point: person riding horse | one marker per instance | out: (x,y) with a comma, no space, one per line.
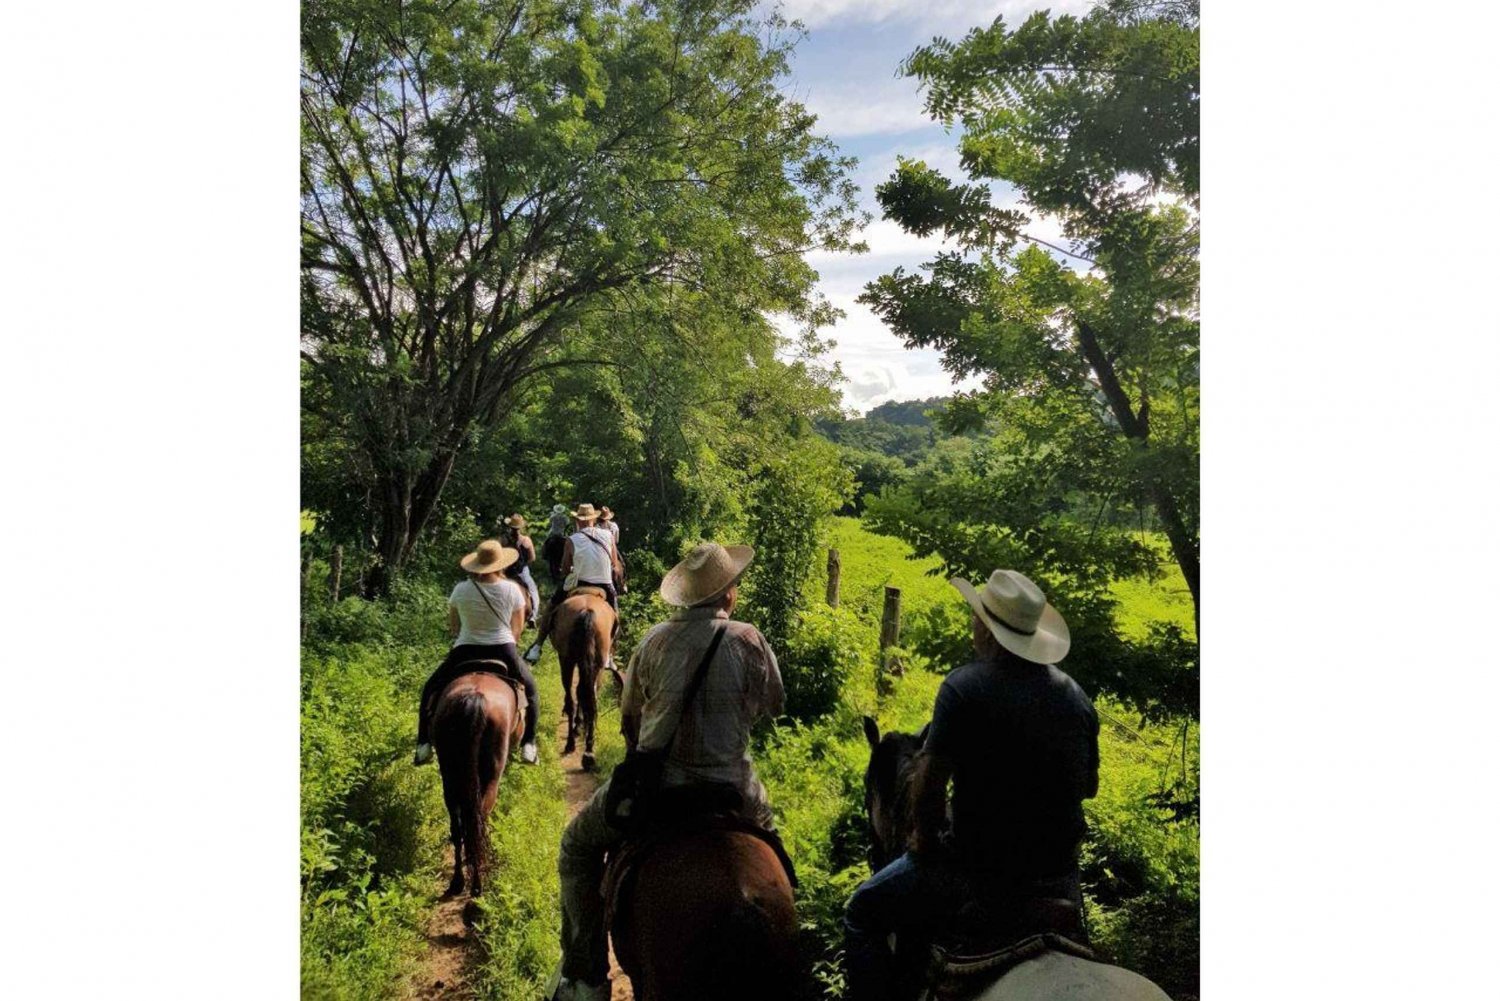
(589,559)
(1020,741)
(485,612)
(520,571)
(552,546)
(706,742)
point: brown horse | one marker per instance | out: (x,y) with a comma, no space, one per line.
(711,916)
(582,632)
(473,723)
(1045,971)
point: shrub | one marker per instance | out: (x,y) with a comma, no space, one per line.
(824,651)
(942,635)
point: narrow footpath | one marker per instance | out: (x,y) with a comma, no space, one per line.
(581,787)
(450,951)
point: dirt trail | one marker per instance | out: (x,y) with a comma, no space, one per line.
(581,786)
(450,952)
(451,946)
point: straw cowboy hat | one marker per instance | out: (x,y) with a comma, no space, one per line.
(605,514)
(515,521)
(586,512)
(1018,616)
(704,574)
(489,557)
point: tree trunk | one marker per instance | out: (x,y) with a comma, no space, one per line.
(336,575)
(833,578)
(1137,428)
(405,510)
(1184,546)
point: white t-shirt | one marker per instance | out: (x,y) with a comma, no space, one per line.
(613,528)
(479,624)
(591,559)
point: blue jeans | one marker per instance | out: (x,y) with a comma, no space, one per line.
(913,897)
(527,582)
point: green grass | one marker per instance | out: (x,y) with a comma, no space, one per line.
(870,562)
(1144,602)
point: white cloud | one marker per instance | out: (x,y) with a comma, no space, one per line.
(941,14)
(878,367)
(891,107)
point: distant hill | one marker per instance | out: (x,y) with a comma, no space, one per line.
(884,444)
(901,430)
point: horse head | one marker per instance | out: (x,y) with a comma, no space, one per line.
(888,790)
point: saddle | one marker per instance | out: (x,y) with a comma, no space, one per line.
(677,813)
(980,948)
(597,592)
(505,673)
(953,976)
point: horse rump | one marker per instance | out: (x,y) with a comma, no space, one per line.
(710,915)
(465,745)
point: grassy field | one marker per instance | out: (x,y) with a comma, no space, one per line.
(374,828)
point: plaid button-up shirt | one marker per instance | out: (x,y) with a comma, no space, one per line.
(712,742)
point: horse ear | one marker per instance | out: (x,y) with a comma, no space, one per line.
(872,731)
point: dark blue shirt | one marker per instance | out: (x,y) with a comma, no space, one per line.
(1023,740)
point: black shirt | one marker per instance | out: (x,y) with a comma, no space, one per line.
(1024,743)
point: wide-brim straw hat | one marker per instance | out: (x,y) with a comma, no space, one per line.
(1019,616)
(704,574)
(515,521)
(605,514)
(586,512)
(488,557)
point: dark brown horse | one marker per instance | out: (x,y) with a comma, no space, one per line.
(473,724)
(582,632)
(711,916)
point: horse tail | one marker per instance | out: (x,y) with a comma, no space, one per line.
(461,754)
(581,643)
(752,961)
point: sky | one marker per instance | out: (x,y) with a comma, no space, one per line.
(845,72)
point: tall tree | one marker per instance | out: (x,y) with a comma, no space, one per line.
(481,176)
(1094,122)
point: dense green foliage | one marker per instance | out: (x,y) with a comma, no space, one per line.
(880,447)
(484,183)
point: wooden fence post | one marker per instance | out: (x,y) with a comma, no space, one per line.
(833,578)
(337,576)
(890,628)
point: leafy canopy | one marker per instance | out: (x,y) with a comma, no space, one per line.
(1088,352)
(481,180)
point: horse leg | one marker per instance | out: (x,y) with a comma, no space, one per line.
(588,699)
(570,707)
(456,836)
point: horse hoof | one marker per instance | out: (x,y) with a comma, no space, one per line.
(454,889)
(588,763)
(471,913)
